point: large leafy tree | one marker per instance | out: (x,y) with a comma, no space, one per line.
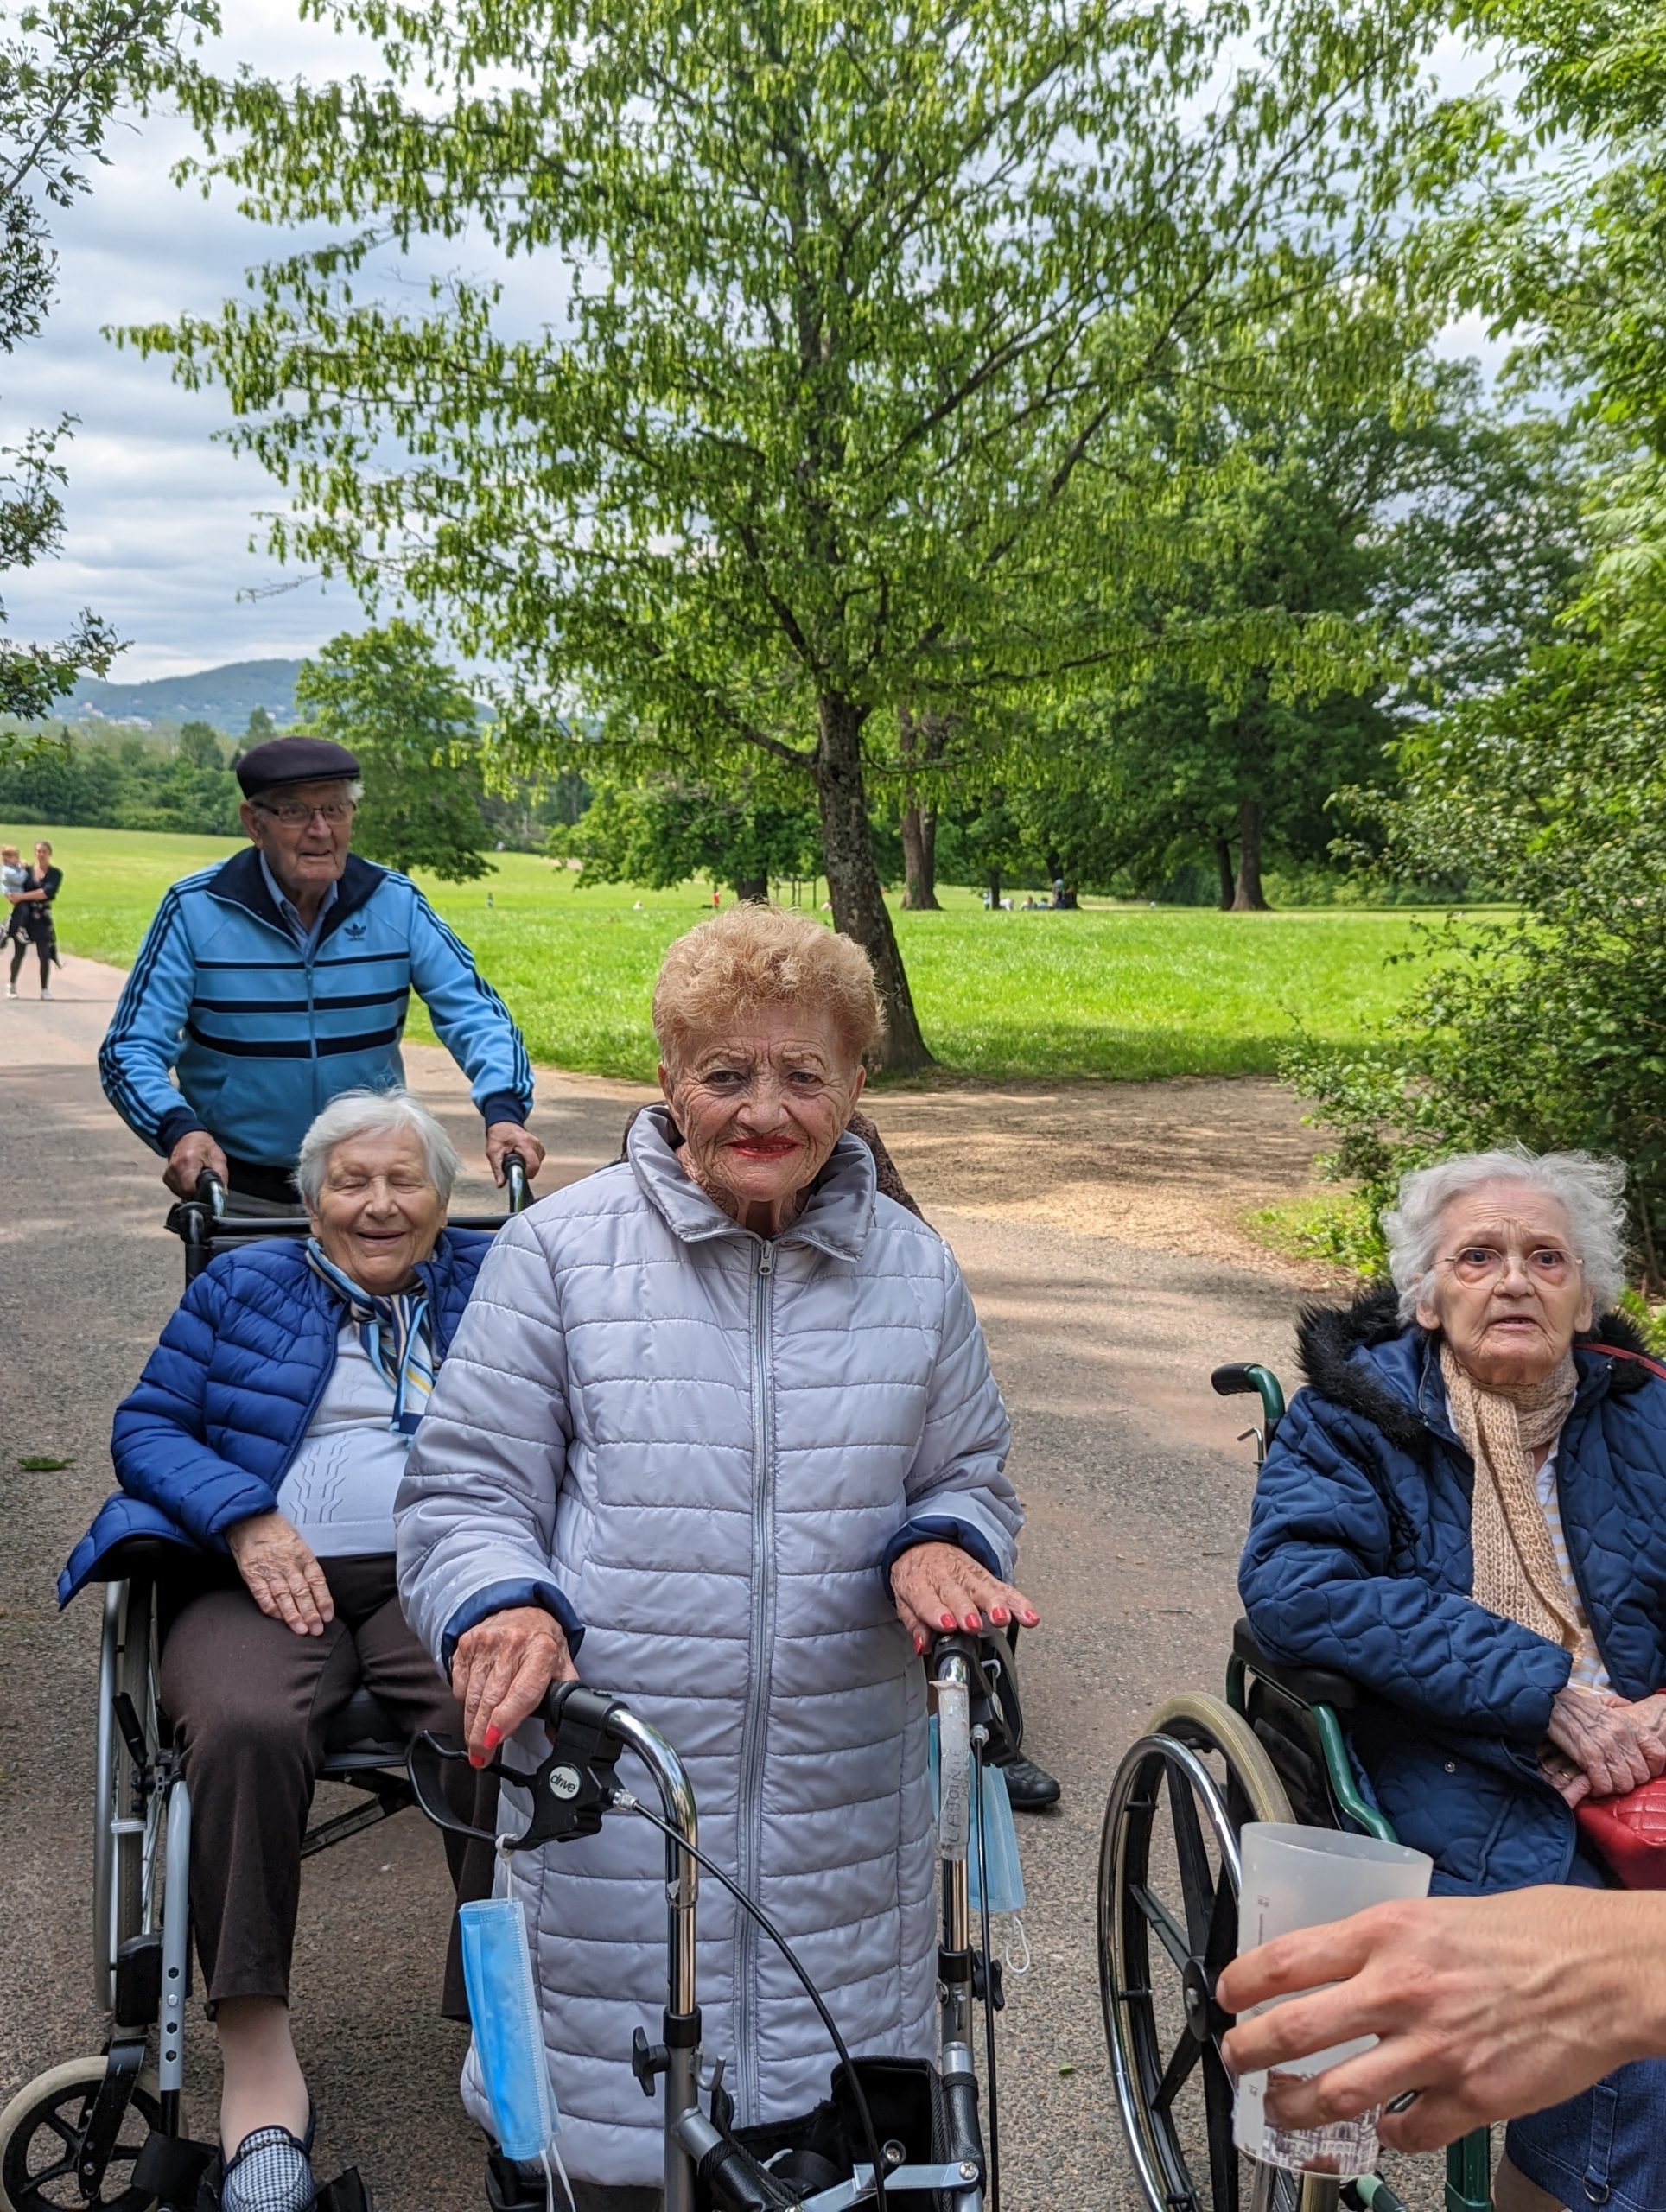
(64,68)
(416,732)
(1445,531)
(863,305)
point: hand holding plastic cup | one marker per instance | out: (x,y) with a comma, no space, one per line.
(1303,1878)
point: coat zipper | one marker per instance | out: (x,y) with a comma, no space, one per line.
(749,1809)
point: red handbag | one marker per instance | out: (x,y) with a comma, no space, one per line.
(1628,1834)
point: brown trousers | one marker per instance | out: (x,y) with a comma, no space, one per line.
(251,1701)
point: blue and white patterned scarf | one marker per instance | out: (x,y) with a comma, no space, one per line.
(394,1331)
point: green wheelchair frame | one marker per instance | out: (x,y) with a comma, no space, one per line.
(1469,2161)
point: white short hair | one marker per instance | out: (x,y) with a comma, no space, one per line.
(1590,1191)
(368,1113)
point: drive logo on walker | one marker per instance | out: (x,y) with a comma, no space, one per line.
(563,1782)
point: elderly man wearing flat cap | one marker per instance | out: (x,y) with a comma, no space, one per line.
(271,983)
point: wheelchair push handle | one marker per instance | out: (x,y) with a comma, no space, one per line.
(1241,1379)
(516,1186)
(211,1194)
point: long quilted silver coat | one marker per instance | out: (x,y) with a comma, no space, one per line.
(703,1446)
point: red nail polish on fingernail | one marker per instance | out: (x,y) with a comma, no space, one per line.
(494,1737)
(997,1614)
(974,1622)
(945,1620)
(475,1759)
(920,1641)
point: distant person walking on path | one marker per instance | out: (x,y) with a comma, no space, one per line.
(30,921)
(272,983)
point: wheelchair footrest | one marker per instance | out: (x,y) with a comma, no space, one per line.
(170,2167)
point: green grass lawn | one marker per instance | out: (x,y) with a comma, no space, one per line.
(1112,991)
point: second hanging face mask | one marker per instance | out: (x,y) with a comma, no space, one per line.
(502,2007)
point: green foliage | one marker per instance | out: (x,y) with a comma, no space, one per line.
(261,727)
(132,784)
(663,830)
(869,310)
(65,67)
(1549,1028)
(417,736)
(200,746)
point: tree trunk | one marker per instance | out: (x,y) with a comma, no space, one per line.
(1247,897)
(923,737)
(994,890)
(1224,863)
(919,859)
(852,880)
(752,889)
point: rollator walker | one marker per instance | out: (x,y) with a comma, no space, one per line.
(893,2131)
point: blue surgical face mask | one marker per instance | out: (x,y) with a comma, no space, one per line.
(992,1813)
(502,2007)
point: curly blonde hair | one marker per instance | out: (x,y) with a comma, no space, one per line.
(752,956)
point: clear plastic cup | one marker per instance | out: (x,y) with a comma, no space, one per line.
(1302,1877)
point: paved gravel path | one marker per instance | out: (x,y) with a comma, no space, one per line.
(1137,1497)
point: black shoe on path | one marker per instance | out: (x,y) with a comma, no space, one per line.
(1031,1789)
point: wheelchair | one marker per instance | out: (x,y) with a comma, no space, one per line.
(1272,1749)
(104,2133)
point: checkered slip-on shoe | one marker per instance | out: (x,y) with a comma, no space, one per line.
(271,2172)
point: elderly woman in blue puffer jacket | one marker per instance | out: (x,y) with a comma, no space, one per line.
(1465,1512)
(265,1440)
(719,1426)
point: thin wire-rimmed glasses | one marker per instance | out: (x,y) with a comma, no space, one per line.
(292,813)
(1547,1265)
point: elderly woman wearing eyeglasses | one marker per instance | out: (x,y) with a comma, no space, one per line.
(1465,1512)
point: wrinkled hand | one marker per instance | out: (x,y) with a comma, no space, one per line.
(504,1137)
(195,1150)
(1616,1746)
(939,1588)
(282,1572)
(501,1672)
(1567,1780)
(1487,2007)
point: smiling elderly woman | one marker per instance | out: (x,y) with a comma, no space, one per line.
(266,1437)
(725,1416)
(1465,1511)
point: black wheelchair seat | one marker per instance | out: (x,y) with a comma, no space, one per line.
(363,1734)
(1306,1685)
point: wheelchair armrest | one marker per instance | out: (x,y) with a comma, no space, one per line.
(1308,1685)
(153,1556)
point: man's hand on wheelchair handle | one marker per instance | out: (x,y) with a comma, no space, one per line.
(939,1588)
(1484,2007)
(195,1150)
(282,1573)
(1616,1744)
(502,1671)
(504,1137)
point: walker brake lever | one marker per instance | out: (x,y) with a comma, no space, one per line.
(570,1791)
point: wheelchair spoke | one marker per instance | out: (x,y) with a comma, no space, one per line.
(1197,1882)
(1177,2073)
(1168,1932)
(1218,2118)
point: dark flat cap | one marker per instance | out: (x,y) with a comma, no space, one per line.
(292,760)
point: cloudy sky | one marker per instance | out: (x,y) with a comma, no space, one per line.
(160,515)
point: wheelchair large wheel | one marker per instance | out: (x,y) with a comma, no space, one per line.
(1168,1915)
(127,1853)
(40,2132)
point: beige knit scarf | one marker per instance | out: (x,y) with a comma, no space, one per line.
(1516,1572)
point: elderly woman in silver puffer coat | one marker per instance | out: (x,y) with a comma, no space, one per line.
(718,1424)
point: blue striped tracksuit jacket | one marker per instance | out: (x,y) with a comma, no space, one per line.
(261,1034)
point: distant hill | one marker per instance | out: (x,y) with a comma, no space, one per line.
(225,696)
